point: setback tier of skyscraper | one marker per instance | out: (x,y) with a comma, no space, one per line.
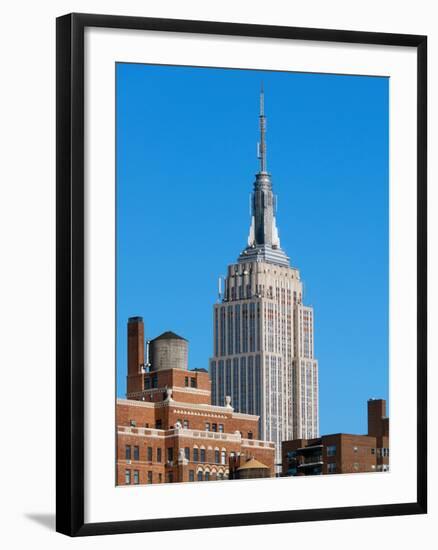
(263,333)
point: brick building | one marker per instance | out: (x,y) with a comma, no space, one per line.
(342,453)
(167,428)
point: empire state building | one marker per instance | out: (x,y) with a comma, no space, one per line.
(263,333)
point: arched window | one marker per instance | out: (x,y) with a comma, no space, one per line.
(217,456)
(200,475)
(223,457)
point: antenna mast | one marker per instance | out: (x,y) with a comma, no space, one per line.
(262,144)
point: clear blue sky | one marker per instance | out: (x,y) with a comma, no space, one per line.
(186,159)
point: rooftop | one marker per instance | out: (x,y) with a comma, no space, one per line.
(252,464)
(169,335)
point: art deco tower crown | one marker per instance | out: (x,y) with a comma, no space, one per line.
(263,240)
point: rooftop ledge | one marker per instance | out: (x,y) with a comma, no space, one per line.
(201,434)
(181,404)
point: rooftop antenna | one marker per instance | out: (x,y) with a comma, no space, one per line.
(262,121)
(147,362)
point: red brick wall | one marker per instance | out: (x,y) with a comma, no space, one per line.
(173,379)
(356,453)
(135,346)
(353,453)
(145,415)
(180,471)
(134,379)
(170,413)
(376,414)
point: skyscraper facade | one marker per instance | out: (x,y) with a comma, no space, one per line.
(263,346)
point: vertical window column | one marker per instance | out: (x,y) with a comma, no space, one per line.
(243,406)
(237,329)
(223,350)
(220,392)
(230,330)
(236,401)
(227,377)
(250,384)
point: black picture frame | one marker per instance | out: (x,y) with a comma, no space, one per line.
(70,273)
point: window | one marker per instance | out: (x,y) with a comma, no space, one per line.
(158,424)
(187,453)
(128,452)
(186,381)
(155,381)
(207,426)
(199,476)
(220,475)
(147,383)
(191,475)
(214,427)
(221,428)
(186,424)
(207,476)
(133,423)
(195,455)
(223,457)
(373,451)
(331,468)
(149,477)
(216,457)
(170,477)
(160,478)
(146,424)
(127,477)
(136,477)
(169,454)
(202,455)
(159,454)
(193,382)
(250,435)
(136,452)
(331,450)
(149,455)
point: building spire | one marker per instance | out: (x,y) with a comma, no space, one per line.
(263,239)
(262,143)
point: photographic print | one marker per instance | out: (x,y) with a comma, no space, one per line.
(241,274)
(252,260)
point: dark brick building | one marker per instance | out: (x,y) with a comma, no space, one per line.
(342,453)
(168,430)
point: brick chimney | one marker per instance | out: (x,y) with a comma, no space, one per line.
(377,422)
(135,345)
